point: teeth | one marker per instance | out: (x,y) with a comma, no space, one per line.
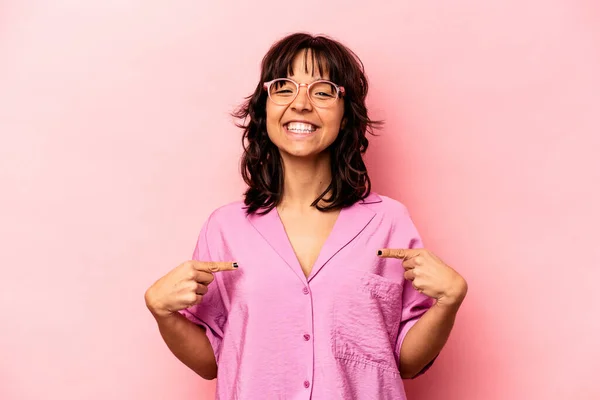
(301,127)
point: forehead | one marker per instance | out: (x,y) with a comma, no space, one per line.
(307,62)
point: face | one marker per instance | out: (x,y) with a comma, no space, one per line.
(300,129)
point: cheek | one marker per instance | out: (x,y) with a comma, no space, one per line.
(273,117)
(334,120)
(337,114)
(270,123)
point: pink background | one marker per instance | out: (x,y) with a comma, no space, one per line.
(116,144)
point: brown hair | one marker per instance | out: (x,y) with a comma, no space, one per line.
(261,164)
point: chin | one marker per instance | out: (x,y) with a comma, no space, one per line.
(301,148)
(304,153)
(305,149)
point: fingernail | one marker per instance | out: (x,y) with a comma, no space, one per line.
(379,252)
(235,265)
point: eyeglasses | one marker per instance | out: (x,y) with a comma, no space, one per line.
(321,93)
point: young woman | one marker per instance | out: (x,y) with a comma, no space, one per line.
(313,287)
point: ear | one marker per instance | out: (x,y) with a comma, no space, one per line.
(343,124)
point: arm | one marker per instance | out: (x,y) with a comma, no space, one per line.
(187,306)
(189,313)
(189,343)
(426,338)
(427,278)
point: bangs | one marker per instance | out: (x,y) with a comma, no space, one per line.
(320,59)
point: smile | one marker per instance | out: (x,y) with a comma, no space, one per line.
(300,127)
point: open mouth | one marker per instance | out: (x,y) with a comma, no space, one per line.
(300,128)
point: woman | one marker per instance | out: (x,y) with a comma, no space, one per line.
(313,287)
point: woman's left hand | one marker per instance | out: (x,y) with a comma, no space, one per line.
(430,275)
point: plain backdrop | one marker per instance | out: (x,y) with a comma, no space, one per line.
(116,144)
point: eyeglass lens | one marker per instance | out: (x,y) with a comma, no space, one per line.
(283,91)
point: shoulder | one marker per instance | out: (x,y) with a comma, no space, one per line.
(394,216)
(228,214)
(385,205)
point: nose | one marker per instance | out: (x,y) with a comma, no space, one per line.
(302,101)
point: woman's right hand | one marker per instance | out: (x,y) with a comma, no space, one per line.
(183,287)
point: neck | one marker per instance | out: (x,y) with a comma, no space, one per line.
(304,180)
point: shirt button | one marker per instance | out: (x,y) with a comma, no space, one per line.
(305,290)
(307,337)
(306,384)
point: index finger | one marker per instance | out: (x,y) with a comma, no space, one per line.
(397,253)
(215,266)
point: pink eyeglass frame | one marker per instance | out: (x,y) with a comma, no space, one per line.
(340,91)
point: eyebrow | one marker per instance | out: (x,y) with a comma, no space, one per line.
(319,78)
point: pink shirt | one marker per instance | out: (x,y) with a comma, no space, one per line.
(337,334)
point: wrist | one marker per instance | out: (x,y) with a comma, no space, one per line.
(160,314)
(447,306)
(454,297)
(154,307)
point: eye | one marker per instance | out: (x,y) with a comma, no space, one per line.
(283,90)
(323,90)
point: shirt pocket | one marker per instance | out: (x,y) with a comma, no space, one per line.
(366,320)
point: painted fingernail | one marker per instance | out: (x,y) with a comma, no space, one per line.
(379,252)
(235,265)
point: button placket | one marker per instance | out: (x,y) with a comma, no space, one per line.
(307,336)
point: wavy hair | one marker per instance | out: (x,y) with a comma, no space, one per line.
(261,164)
